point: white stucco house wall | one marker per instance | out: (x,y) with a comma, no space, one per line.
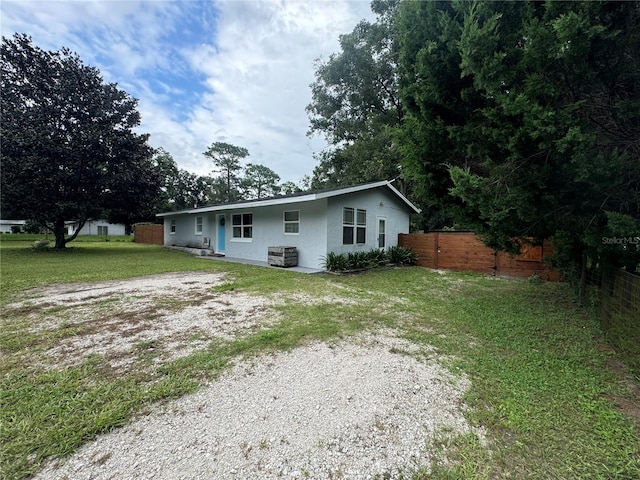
(7,225)
(97,227)
(342,220)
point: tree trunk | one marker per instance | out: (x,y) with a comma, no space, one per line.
(59,231)
(583,279)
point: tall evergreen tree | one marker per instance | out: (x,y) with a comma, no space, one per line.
(259,182)
(183,189)
(226,158)
(522,118)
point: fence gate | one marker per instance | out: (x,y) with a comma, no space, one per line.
(464,252)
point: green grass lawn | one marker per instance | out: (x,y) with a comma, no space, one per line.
(23,267)
(541,385)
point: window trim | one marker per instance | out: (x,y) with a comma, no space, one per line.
(361,226)
(201,225)
(172,227)
(286,222)
(348,225)
(378,234)
(242,227)
(355,226)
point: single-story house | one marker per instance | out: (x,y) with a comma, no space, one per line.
(341,220)
(97,227)
(9,226)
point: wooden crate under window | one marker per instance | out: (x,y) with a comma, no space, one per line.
(283,256)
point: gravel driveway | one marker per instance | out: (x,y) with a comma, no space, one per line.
(370,407)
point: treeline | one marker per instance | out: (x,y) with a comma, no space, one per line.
(70,150)
(518,120)
(229,180)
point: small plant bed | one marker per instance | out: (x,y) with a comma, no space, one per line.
(355,262)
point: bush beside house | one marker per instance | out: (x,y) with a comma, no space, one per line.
(360,261)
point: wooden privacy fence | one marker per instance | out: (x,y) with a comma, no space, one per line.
(149,234)
(464,252)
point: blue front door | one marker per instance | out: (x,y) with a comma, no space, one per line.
(221,239)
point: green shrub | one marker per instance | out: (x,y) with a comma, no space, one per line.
(335,262)
(534,279)
(358,260)
(341,262)
(31,226)
(377,257)
(401,256)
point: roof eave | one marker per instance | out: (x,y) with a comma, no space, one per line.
(294,199)
(403,198)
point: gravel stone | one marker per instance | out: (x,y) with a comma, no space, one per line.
(362,407)
(352,410)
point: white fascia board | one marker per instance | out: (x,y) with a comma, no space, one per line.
(168,214)
(254,203)
(294,199)
(370,186)
(358,188)
(403,198)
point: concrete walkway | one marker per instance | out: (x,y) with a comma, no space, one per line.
(263,264)
(198,253)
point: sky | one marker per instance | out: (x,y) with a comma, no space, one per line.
(232,71)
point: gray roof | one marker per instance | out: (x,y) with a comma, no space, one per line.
(297,198)
(12,222)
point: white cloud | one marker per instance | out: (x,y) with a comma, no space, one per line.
(259,77)
(233,71)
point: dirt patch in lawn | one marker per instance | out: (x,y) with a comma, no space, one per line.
(153,318)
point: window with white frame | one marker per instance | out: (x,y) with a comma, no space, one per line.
(361,226)
(199,221)
(382,232)
(172,226)
(354,226)
(348,222)
(291,222)
(103,230)
(242,225)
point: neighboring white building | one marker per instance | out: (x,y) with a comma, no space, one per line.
(6,225)
(97,227)
(342,220)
